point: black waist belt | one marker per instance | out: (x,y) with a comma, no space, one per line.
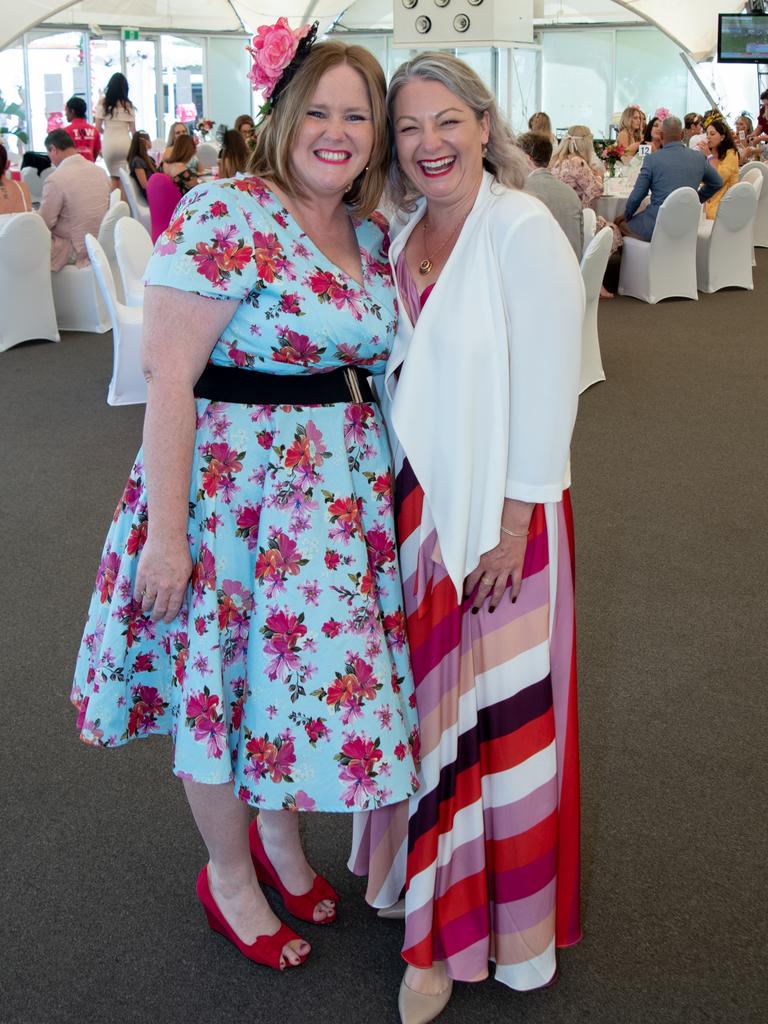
(249,387)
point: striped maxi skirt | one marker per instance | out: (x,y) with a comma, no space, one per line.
(487,851)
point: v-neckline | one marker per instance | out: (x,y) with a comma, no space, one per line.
(303,235)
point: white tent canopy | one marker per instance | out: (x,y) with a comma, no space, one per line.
(692,24)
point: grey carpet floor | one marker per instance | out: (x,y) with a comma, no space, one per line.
(98,853)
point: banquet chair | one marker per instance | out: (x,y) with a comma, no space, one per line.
(25,281)
(665,267)
(724,249)
(756,179)
(119,211)
(593,264)
(35,181)
(207,155)
(589,221)
(127,386)
(761,218)
(138,204)
(133,247)
(162,195)
(114,197)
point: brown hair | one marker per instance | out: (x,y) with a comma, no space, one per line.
(139,146)
(722,129)
(276,136)
(243,119)
(540,123)
(3,159)
(234,153)
(183,150)
(538,147)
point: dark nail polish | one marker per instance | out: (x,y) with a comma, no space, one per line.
(492,608)
(475,611)
(514,599)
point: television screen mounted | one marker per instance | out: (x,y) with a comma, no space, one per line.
(742,38)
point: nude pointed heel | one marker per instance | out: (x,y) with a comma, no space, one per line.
(394,913)
(418,1008)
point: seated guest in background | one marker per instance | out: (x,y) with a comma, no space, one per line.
(693,124)
(244,124)
(85,137)
(742,138)
(559,198)
(673,166)
(234,152)
(177,129)
(575,163)
(653,135)
(541,125)
(181,165)
(630,134)
(761,132)
(75,199)
(14,195)
(140,161)
(724,158)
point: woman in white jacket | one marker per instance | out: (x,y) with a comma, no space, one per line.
(481,395)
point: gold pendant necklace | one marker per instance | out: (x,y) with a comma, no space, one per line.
(426,265)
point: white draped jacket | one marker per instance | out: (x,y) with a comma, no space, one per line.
(485,400)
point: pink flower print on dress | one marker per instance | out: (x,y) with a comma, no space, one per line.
(203,574)
(248,518)
(219,209)
(327,288)
(346,515)
(222,463)
(171,237)
(296,349)
(106,576)
(267,250)
(381,549)
(357,418)
(147,706)
(137,538)
(274,758)
(359,757)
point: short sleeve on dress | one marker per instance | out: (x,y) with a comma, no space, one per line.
(208,247)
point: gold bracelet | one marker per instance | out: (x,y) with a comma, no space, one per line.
(511,533)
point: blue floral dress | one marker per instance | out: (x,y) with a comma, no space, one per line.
(287,672)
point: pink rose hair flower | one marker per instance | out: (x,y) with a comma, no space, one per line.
(274,49)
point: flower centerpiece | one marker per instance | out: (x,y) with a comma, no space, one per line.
(277,51)
(204,127)
(611,154)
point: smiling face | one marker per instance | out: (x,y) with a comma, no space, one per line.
(439,141)
(637,121)
(336,137)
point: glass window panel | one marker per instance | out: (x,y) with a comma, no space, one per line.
(12,92)
(576,79)
(229,91)
(56,72)
(525,76)
(183,94)
(140,56)
(104,56)
(649,71)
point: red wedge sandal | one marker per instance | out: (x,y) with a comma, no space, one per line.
(302,906)
(266,950)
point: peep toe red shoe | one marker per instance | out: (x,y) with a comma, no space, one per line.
(302,906)
(266,950)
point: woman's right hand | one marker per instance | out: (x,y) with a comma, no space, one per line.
(162,578)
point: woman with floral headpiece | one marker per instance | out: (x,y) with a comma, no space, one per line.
(248,601)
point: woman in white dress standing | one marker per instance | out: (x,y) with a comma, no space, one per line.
(115,118)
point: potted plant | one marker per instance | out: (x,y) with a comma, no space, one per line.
(14,111)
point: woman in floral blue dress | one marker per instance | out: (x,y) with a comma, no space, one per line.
(248,601)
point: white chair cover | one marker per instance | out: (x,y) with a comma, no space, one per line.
(127,386)
(665,266)
(207,155)
(589,220)
(761,218)
(593,264)
(114,197)
(35,181)
(133,247)
(724,253)
(756,179)
(106,239)
(25,281)
(136,201)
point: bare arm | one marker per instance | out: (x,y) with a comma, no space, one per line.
(180,330)
(141,177)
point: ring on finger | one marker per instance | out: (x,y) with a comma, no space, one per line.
(488,581)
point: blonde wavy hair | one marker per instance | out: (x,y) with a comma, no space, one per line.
(577,141)
(502,158)
(625,124)
(276,136)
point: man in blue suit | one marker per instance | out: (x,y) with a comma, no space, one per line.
(673,166)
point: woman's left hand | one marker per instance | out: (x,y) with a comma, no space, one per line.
(494,571)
